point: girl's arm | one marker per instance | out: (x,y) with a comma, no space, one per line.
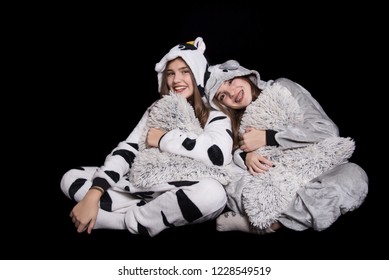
(119,161)
(316,125)
(116,165)
(212,146)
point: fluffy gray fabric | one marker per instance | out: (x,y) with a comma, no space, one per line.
(152,166)
(266,195)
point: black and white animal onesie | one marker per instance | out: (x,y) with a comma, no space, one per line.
(168,203)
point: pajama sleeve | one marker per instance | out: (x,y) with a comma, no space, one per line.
(119,161)
(213,146)
(316,125)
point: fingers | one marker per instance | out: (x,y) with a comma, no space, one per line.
(255,170)
(73,218)
(258,168)
(81,227)
(266,162)
(90,227)
(260,165)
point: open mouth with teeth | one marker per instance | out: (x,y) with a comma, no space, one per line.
(179,89)
(239,97)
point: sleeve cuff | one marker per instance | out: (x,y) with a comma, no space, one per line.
(159,142)
(101,182)
(271,138)
(243,156)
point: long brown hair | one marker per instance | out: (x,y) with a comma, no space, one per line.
(200,109)
(237,114)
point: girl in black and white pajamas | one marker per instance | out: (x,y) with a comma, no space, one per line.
(107,198)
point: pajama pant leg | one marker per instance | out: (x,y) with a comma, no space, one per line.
(180,203)
(113,204)
(234,192)
(149,211)
(319,204)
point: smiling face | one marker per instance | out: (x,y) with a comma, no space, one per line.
(179,78)
(235,93)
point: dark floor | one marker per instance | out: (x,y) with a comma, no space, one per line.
(45,231)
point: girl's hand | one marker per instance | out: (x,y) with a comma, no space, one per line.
(252,139)
(153,137)
(257,164)
(84,214)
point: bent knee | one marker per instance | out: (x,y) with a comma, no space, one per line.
(66,181)
(212,195)
(356,171)
(355,177)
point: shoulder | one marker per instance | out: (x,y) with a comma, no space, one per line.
(215,115)
(289,84)
(284,81)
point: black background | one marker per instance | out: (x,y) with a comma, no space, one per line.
(85,76)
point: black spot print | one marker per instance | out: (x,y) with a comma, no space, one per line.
(142,230)
(189,144)
(165,221)
(75,186)
(101,182)
(187,47)
(113,175)
(215,154)
(218,119)
(182,183)
(229,132)
(106,202)
(189,210)
(140,203)
(134,145)
(127,155)
(144,194)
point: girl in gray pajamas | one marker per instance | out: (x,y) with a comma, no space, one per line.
(231,88)
(107,198)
